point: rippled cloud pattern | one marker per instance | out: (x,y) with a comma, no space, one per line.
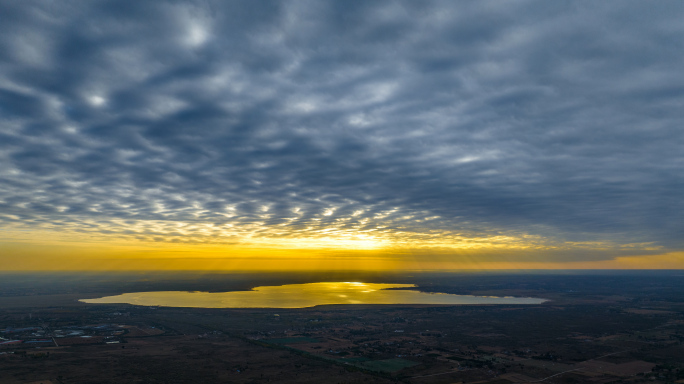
(532,125)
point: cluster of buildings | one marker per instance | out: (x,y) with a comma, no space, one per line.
(44,336)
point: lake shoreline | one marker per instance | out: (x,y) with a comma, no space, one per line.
(309,295)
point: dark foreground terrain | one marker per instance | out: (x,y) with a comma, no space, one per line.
(600,328)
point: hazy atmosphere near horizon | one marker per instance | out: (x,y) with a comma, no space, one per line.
(340,135)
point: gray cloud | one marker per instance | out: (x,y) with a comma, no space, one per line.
(423,119)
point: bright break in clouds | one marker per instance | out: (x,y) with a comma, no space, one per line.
(431,126)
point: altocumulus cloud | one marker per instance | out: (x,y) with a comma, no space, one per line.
(544,124)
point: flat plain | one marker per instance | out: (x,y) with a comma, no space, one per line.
(596,328)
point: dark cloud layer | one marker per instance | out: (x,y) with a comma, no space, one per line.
(561,120)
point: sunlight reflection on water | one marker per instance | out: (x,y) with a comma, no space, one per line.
(304,295)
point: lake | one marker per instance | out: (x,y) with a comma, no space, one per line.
(305,295)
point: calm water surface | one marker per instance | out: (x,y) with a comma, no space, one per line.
(305,295)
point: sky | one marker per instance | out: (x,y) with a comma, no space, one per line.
(275,135)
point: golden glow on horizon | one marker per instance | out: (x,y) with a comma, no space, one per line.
(335,235)
(99,258)
(322,239)
(69,250)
